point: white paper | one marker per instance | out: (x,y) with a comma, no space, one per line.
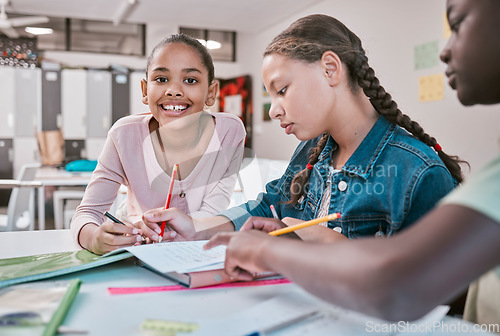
(331,319)
(178,257)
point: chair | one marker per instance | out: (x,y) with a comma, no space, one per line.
(21,208)
(66,202)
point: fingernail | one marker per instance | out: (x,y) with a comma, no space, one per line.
(173,234)
(155,237)
(139,238)
(158,230)
(135,231)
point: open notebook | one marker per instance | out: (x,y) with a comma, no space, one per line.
(185,262)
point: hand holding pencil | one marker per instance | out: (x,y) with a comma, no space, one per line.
(169,197)
(305,224)
(242,259)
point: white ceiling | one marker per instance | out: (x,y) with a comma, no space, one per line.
(239,15)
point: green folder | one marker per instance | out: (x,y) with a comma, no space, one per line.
(43,266)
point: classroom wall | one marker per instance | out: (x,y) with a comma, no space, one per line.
(389,29)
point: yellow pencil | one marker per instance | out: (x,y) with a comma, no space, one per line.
(305,224)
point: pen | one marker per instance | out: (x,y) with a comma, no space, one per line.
(169,196)
(273,210)
(113,218)
(305,224)
(284,324)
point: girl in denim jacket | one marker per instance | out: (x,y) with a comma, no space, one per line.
(360,155)
(405,276)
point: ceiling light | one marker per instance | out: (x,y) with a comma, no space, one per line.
(38,30)
(211,44)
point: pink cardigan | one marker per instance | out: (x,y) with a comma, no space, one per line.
(128,158)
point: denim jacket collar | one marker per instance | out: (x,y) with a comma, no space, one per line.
(364,158)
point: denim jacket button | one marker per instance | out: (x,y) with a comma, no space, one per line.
(342,185)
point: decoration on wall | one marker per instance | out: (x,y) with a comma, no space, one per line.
(265,110)
(235,97)
(426,55)
(431,88)
(19,52)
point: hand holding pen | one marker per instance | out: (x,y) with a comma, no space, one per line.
(135,231)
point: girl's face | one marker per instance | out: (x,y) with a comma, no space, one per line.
(300,95)
(472,53)
(177,83)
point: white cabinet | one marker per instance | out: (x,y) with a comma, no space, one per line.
(7,99)
(25,151)
(74,103)
(98,103)
(27,102)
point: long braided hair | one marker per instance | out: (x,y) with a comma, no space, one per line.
(306,40)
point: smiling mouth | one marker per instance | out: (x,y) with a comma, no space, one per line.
(174,108)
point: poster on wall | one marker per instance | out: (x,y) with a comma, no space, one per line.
(236,97)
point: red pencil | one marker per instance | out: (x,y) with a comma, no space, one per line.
(169,196)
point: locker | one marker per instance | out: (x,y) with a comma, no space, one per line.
(120,96)
(7,97)
(98,103)
(27,102)
(74,103)
(51,99)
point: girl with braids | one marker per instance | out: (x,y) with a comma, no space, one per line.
(360,155)
(405,276)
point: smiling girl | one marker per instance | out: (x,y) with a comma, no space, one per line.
(141,150)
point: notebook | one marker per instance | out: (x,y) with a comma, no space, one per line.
(184,262)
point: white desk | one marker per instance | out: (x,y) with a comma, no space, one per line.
(49,176)
(103,314)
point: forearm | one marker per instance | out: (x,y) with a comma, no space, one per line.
(399,278)
(207,227)
(351,282)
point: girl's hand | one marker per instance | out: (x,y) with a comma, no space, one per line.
(179,226)
(244,254)
(262,224)
(269,224)
(316,233)
(109,236)
(151,231)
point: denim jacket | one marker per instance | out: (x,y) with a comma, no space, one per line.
(389,182)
